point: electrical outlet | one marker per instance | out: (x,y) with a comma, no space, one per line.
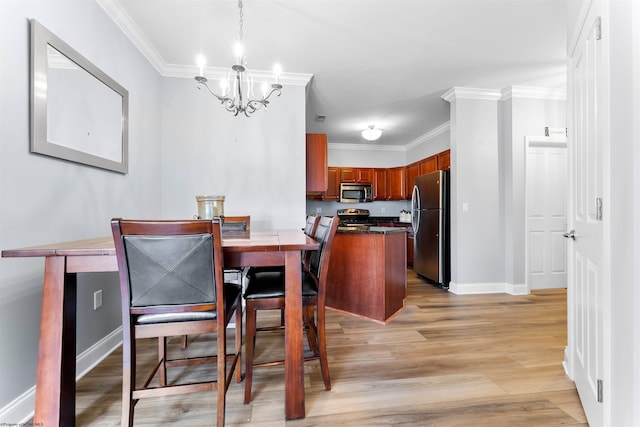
(97,299)
(383,210)
(318,210)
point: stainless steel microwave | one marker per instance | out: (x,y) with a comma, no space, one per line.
(355,193)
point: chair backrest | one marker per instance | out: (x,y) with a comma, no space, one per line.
(166,264)
(309,230)
(236,226)
(319,262)
(311,224)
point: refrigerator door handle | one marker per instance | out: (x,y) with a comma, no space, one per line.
(415,208)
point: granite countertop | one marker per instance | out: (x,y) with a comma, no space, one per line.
(373,230)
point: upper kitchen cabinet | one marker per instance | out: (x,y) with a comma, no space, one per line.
(380,184)
(317,177)
(333,184)
(359,175)
(444,160)
(428,165)
(396,181)
(413,170)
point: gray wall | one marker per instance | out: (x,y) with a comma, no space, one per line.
(476,234)
(48,200)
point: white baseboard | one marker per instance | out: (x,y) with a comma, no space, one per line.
(20,410)
(488,288)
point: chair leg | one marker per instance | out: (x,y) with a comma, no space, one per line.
(162,358)
(249,348)
(238,365)
(184,342)
(322,343)
(310,328)
(222,376)
(128,380)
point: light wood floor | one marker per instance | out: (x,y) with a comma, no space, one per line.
(446,360)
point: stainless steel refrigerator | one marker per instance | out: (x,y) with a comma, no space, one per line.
(430,220)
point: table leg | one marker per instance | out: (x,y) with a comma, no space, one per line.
(294,355)
(56,373)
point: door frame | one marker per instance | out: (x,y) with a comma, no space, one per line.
(537,141)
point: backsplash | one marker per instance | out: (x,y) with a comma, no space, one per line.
(391,208)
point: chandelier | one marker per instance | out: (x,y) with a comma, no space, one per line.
(236,90)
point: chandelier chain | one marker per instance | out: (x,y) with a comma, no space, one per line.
(241,23)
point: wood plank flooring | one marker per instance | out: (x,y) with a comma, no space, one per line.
(446,360)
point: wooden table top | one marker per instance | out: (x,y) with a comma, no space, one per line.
(283,240)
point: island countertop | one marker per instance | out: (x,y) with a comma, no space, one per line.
(371,230)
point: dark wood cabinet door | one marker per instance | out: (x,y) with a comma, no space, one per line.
(410,249)
(428,165)
(359,175)
(380,184)
(348,175)
(413,170)
(444,160)
(396,178)
(316,162)
(365,176)
(333,184)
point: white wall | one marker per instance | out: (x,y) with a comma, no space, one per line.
(624,328)
(366,155)
(523,113)
(47,200)
(257,163)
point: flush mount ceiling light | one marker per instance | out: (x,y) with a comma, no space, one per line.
(371,133)
(236,91)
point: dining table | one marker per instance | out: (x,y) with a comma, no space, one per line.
(56,370)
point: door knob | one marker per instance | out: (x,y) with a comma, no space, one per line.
(570,235)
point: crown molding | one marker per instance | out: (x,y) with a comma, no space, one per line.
(122,19)
(377,147)
(214,73)
(429,135)
(471,93)
(533,93)
(366,147)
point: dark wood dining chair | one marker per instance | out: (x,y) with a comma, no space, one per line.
(171,282)
(231,227)
(265,291)
(309,229)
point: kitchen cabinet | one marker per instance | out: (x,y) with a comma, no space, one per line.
(368,273)
(410,240)
(380,184)
(410,236)
(333,184)
(316,162)
(359,175)
(396,178)
(444,160)
(413,170)
(428,165)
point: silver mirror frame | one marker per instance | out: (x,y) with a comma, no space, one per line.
(41,39)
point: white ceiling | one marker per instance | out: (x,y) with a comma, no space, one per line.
(373,61)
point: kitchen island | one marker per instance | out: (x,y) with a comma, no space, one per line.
(367,272)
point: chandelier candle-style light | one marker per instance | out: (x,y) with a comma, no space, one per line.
(236,91)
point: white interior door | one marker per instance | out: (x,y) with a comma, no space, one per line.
(588,142)
(546,192)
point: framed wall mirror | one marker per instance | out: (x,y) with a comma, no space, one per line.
(78,113)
